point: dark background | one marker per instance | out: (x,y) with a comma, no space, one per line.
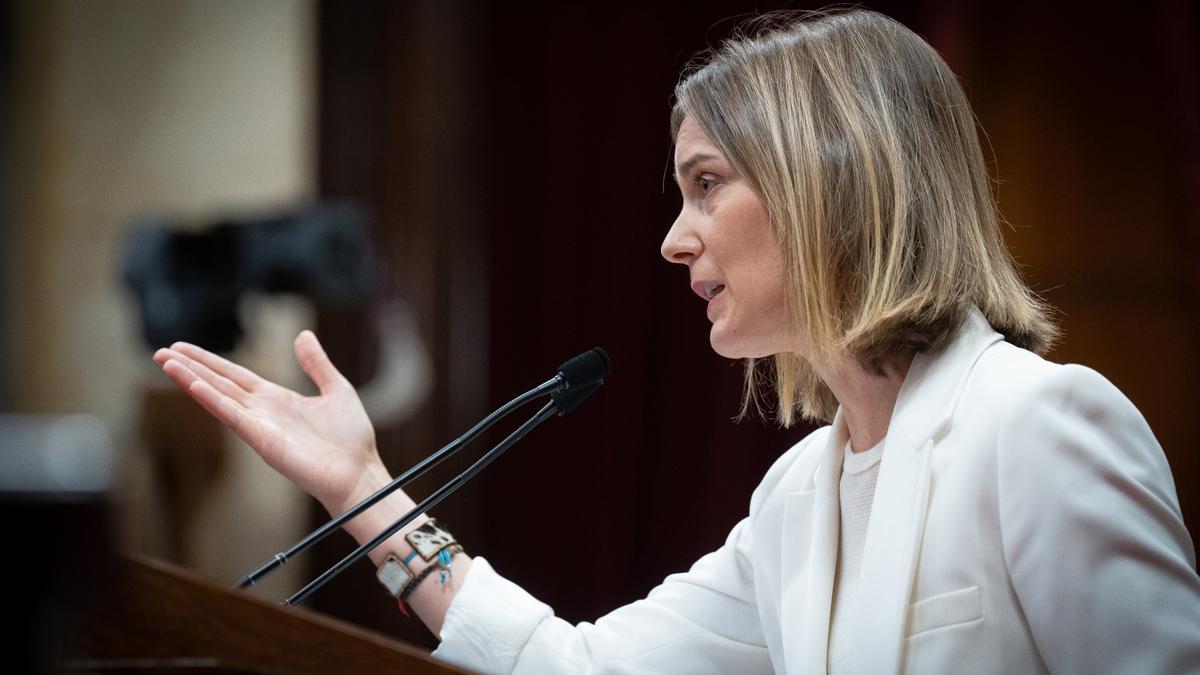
(515,157)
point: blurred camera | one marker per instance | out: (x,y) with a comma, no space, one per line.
(188,281)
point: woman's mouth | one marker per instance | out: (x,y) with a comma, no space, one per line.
(714,301)
(708,289)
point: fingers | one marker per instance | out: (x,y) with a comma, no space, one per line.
(192,369)
(225,409)
(179,373)
(238,375)
(316,363)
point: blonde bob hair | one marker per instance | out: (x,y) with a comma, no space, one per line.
(862,146)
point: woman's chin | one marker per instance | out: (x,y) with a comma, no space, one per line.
(728,346)
(734,346)
(724,352)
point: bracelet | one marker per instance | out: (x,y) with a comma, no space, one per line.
(445,557)
(429,539)
(431,543)
(412,583)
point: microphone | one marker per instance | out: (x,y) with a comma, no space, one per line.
(575,380)
(583,374)
(573,399)
(590,366)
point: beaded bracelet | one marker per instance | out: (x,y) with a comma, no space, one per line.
(432,543)
(445,558)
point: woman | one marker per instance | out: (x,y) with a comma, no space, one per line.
(970,507)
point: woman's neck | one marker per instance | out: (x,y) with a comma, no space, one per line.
(867,398)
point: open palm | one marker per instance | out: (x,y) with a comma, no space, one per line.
(323,443)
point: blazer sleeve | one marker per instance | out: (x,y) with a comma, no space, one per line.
(1096,547)
(701,621)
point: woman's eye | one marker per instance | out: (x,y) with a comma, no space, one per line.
(704,182)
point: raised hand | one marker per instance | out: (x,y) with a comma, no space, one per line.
(324,443)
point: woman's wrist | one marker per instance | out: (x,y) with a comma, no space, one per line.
(373,476)
(367,525)
(428,600)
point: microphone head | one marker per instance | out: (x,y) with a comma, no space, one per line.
(568,399)
(590,366)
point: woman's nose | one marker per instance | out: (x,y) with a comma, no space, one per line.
(681,245)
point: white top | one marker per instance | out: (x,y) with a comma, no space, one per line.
(856,490)
(1025,521)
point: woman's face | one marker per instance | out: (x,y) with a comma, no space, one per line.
(724,236)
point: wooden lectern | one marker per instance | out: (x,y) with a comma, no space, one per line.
(75,607)
(157,618)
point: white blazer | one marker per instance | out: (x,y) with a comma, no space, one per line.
(1025,520)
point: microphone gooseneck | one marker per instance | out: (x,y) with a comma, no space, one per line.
(553,385)
(429,502)
(576,379)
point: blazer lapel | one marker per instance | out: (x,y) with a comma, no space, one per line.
(923,413)
(810,525)
(889,558)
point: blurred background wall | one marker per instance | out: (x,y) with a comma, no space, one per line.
(192,110)
(515,164)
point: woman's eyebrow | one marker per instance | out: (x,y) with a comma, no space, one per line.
(691,161)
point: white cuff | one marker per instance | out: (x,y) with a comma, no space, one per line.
(489,621)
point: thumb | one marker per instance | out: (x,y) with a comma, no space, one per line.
(316,363)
